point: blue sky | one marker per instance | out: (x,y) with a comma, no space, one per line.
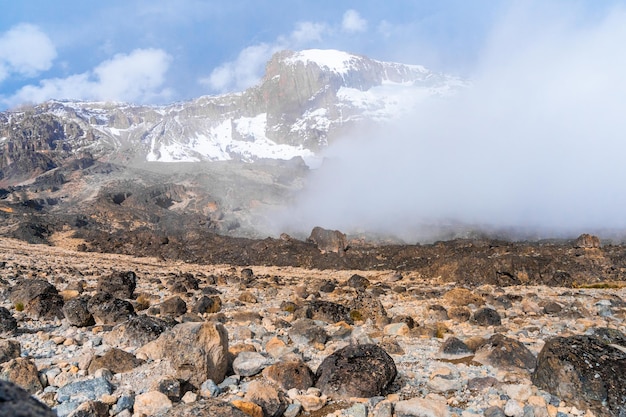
(158,51)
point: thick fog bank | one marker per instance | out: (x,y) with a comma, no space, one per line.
(536,146)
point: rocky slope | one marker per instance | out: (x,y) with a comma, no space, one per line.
(100,334)
(214,164)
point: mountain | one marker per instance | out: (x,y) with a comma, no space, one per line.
(119,164)
(305,101)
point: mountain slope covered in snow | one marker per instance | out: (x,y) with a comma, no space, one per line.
(305,101)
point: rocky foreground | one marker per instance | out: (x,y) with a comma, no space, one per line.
(91,334)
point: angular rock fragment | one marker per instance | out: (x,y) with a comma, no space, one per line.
(106,309)
(38,297)
(115,360)
(137,331)
(23,372)
(503,352)
(290,374)
(486,317)
(119,284)
(586,371)
(77,313)
(17,402)
(198,351)
(8,323)
(356,371)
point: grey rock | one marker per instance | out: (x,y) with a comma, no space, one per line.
(119,284)
(250,363)
(503,352)
(77,313)
(16,402)
(8,323)
(356,371)
(486,317)
(9,349)
(137,331)
(39,298)
(106,309)
(84,390)
(586,371)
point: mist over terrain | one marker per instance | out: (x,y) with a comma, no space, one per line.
(535,146)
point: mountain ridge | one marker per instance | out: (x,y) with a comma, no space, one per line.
(301,105)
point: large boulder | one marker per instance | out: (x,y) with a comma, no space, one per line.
(119,284)
(586,371)
(356,371)
(329,240)
(115,360)
(77,313)
(8,323)
(23,372)
(203,407)
(197,351)
(137,331)
(38,297)
(107,309)
(16,402)
(506,353)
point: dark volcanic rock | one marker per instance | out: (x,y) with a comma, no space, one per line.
(204,407)
(9,349)
(325,311)
(8,323)
(586,371)
(305,331)
(77,313)
(210,305)
(38,297)
(119,284)
(106,309)
(486,317)
(137,331)
(454,346)
(16,402)
(173,305)
(329,240)
(358,282)
(503,352)
(290,374)
(356,371)
(115,360)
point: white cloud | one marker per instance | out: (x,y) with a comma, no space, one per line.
(25,50)
(243,72)
(247,69)
(137,76)
(353,22)
(308,32)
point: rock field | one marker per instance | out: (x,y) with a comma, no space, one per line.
(91,334)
